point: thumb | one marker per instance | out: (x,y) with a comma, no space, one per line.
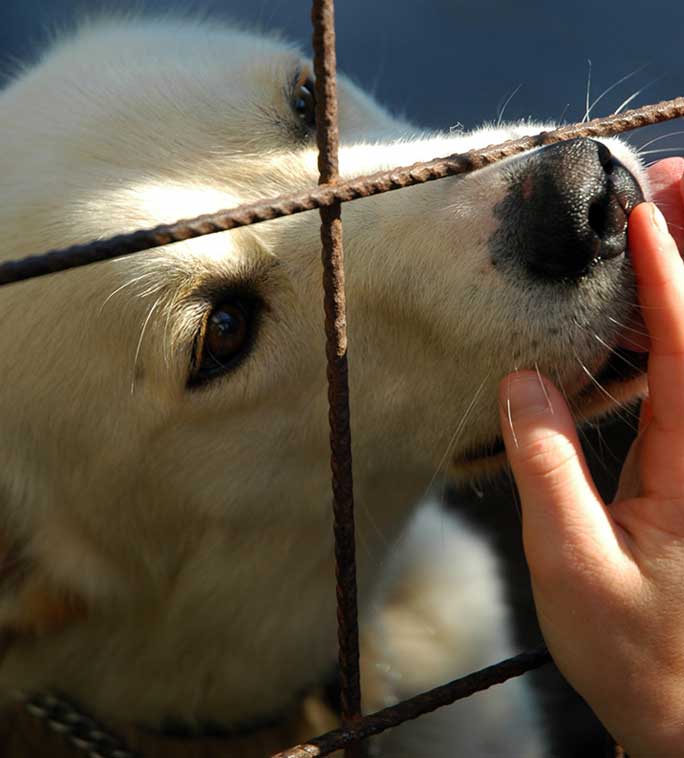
(563,515)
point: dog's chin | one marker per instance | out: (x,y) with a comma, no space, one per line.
(621,380)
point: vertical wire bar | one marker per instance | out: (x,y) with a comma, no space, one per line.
(323,20)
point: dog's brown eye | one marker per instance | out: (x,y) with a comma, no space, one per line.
(226,333)
(223,339)
(304,102)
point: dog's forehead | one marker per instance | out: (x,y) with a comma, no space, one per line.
(191,88)
(208,49)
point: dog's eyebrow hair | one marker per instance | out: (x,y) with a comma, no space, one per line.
(249,280)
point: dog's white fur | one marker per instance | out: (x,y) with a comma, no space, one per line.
(194,526)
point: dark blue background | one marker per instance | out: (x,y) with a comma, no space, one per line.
(447,61)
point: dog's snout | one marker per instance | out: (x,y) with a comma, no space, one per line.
(570,202)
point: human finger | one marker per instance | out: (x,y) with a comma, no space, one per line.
(660,281)
(667,189)
(563,515)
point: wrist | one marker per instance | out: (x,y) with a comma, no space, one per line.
(652,725)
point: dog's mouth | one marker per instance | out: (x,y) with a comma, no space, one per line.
(620,380)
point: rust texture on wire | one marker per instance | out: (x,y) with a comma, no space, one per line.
(326,195)
(426,702)
(327,134)
(84,733)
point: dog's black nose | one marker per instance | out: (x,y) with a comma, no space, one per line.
(570,203)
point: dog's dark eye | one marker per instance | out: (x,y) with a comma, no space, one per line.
(223,339)
(304,101)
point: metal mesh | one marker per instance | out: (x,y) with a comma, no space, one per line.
(64,717)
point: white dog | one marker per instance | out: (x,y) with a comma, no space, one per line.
(165,480)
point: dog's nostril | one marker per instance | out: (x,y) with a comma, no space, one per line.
(606,216)
(608,220)
(598,219)
(605,158)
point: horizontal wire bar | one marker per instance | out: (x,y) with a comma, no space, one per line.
(378,722)
(326,195)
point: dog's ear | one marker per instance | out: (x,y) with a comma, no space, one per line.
(37,607)
(32,603)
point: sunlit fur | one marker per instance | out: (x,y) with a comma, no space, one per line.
(194,525)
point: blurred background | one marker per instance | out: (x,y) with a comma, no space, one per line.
(444,63)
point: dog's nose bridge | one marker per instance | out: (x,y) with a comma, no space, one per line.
(570,203)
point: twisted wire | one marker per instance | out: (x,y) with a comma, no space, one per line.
(426,702)
(327,133)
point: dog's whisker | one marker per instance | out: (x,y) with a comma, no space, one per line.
(459,429)
(502,109)
(580,418)
(587,444)
(588,94)
(636,94)
(627,328)
(509,415)
(443,463)
(130,282)
(598,384)
(140,341)
(561,387)
(658,139)
(543,386)
(660,150)
(608,90)
(367,514)
(603,445)
(615,352)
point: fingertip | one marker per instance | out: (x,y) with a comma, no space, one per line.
(666,179)
(658,220)
(652,249)
(524,400)
(525,395)
(537,427)
(646,222)
(563,513)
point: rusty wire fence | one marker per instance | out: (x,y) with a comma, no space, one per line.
(88,736)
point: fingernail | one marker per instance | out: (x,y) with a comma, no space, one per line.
(527,397)
(659,220)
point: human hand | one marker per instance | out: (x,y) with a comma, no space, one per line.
(608,581)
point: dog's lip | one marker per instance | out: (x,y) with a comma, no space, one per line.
(620,380)
(490,450)
(633,335)
(623,367)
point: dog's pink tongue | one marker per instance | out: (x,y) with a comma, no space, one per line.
(666,187)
